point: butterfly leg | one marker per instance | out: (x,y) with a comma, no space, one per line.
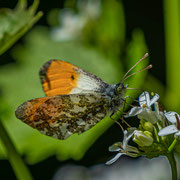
(124,99)
(123,110)
(116,121)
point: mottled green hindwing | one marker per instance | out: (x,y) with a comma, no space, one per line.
(63,115)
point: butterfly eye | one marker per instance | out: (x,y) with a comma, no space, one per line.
(119,88)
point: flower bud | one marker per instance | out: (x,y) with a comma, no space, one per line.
(143,138)
(146,125)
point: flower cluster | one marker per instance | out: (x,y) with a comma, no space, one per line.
(151,135)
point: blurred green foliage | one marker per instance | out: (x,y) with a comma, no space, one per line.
(102,57)
(172,45)
(107,33)
(22,83)
(97,43)
(15,23)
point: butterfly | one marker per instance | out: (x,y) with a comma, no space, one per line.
(75,101)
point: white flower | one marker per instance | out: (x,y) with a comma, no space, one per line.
(174,118)
(123,147)
(144,110)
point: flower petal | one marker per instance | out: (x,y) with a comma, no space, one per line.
(130,133)
(115,147)
(168,130)
(148,115)
(159,114)
(171,116)
(154,99)
(115,158)
(127,135)
(144,98)
(134,111)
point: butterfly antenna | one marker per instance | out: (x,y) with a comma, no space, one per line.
(140,89)
(148,67)
(124,77)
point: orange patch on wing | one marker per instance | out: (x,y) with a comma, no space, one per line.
(32,106)
(27,110)
(60,78)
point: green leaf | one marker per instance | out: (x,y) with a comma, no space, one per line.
(22,83)
(15,23)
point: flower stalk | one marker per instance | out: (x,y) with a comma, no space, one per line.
(20,169)
(173,165)
(171,147)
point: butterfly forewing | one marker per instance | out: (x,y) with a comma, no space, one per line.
(64,115)
(59,77)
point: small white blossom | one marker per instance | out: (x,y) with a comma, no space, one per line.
(123,148)
(144,110)
(174,118)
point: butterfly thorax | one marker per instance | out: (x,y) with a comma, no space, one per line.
(115,93)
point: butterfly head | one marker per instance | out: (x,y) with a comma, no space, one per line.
(120,88)
(116,96)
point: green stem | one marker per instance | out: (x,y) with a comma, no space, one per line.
(171,147)
(19,167)
(173,165)
(172,46)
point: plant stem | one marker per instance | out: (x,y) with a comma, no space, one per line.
(173,165)
(172,45)
(20,169)
(171,147)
